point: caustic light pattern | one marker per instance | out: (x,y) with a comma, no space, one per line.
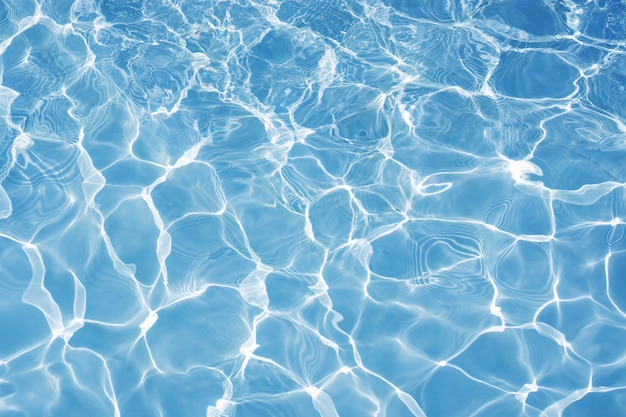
(312,208)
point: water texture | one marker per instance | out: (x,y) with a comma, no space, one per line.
(313,208)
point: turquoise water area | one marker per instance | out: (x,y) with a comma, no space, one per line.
(379,208)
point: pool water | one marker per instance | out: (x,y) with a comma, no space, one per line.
(313,208)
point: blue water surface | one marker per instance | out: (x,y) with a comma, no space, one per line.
(312,208)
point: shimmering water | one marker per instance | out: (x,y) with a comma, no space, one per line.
(313,208)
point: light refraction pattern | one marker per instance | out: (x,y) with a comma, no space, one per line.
(312,208)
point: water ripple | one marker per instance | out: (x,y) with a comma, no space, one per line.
(335,208)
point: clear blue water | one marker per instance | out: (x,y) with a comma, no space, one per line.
(313,208)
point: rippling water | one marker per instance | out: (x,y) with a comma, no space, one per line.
(300,208)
